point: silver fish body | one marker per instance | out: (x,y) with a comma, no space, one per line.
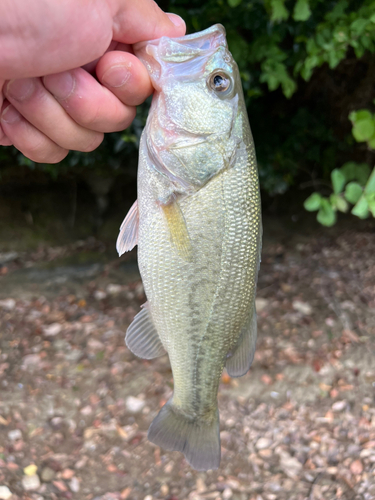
(197,223)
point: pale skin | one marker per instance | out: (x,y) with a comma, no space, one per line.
(50,100)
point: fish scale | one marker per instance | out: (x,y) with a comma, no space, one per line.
(198,235)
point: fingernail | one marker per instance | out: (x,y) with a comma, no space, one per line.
(60,85)
(20,89)
(176,20)
(116,76)
(10,115)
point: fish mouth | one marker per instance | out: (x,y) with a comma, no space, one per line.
(198,40)
(164,55)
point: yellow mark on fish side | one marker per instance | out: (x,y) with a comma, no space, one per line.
(178,230)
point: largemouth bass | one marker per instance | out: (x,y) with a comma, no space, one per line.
(197,223)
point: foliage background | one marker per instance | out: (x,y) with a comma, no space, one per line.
(305,64)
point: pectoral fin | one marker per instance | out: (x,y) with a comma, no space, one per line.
(239,361)
(142,338)
(128,236)
(178,229)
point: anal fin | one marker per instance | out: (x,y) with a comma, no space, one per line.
(239,360)
(128,236)
(142,338)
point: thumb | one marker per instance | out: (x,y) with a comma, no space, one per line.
(143,20)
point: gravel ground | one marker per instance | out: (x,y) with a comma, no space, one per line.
(75,404)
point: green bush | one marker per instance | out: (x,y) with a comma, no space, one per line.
(305,65)
(356,178)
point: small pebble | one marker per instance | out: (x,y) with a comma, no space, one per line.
(74,485)
(263,443)
(227,494)
(30,470)
(164,489)
(15,434)
(8,304)
(30,360)
(302,307)
(356,467)
(99,295)
(267,453)
(339,406)
(31,483)
(261,304)
(114,289)
(47,475)
(5,493)
(290,465)
(95,345)
(134,405)
(52,330)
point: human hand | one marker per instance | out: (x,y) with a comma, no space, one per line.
(72,110)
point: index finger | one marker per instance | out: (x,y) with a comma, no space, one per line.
(144,20)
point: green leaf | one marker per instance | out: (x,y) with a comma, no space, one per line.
(371,204)
(362,114)
(363,130)
(339,203)
(338,11)
(234,3)
(371,142)
(312,203)
(353,192)
(326,215)
(289,86)
(356,172)
(338,180)
(279,12)
(359,25)
(361,208)
(302,10)
(370,186)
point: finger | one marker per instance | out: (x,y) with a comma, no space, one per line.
(27,139)
(50,37)
(143,20)
(88,102)
(39,107)
(125,47)
(125,76)
(4,141)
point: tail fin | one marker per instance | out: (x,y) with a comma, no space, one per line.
(199,441)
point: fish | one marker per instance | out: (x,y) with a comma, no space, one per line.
(197,224)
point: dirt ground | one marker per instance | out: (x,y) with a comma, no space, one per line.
(75,404)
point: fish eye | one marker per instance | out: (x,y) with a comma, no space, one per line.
(220,82)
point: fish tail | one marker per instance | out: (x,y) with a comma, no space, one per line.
(198,440)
